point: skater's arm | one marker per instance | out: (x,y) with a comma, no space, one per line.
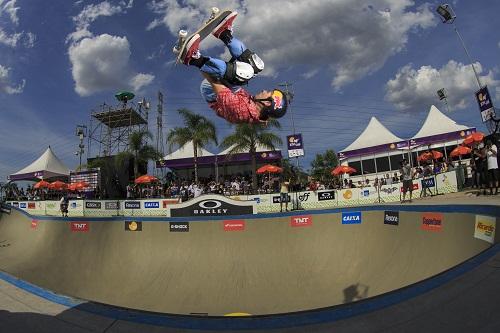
(216,85)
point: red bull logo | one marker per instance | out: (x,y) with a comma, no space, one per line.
(277,99)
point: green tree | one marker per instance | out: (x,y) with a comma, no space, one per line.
(139,150)
(198,129)
(247,137)
(323,164)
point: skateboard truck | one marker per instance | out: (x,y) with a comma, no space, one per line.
(180,41)
(215,12)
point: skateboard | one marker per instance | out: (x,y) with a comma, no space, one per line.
(205,30)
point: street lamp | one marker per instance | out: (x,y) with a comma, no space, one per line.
(448,16)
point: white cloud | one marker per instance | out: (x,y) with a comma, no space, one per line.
(8,12)
(102,62)
(5,84)
(415,89)
(349,38)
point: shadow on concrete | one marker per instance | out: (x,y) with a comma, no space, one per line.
(355,292)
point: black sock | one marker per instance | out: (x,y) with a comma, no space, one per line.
(199,62)
(226,37)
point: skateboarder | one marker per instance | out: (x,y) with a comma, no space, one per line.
(222,89)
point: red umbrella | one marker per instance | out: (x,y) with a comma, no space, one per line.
(41,184)
(430,155)
(72,187)
(58,185)
(341,169)
(81,185)
(146,179)
(460,150)
(269,168)
(473,138)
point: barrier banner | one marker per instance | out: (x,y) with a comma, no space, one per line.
(212,205)
(485,228)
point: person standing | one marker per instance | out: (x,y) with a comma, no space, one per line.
(481,167)
(406,174)
(492,161)
(284,194)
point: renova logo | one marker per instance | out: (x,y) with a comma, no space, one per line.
(210,204)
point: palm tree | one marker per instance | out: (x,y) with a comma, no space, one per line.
(247,137)
(198,129)
(139,150)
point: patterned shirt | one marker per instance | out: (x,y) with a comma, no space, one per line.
(236,107)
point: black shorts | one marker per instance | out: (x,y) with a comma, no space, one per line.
(493,175)
(407,186)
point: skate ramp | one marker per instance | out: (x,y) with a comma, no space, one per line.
(270,267)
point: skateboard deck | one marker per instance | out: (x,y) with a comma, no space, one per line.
(205,30)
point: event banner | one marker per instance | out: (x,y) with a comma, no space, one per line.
(485,105)
(295,145)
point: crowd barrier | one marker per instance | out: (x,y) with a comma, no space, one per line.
(264,203)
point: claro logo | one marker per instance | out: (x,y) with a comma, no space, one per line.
(210,207)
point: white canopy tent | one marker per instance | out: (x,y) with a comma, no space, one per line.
(438,123)
(45,167)
(187,151)
(375,134)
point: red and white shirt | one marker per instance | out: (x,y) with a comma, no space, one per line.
(236,107)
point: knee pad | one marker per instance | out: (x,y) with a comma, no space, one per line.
(253,59)
(238,73)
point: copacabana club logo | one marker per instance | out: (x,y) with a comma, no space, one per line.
(392,146)
(347,194)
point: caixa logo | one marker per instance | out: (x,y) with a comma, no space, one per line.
(152,204)
(351,218)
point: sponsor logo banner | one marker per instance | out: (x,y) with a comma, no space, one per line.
(428,182)
(166,203)
(485,228)
(50,205)
(93,204)
(179,226)
(369,192)
(31,205)
(132,205)
(234,225)
(5,209)
(80,226)
(133,226)
(15,204)
(351,218)
(327,195)
(391,217)
(277,198)
(111,205)
(211,207)
(151,204)
(295,145)
(22,205)
(301,221)
(347,194)
(304,196)
(414,187)
(432,221)
(34,224)
(485,105)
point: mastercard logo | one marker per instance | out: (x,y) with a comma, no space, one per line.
(347,194)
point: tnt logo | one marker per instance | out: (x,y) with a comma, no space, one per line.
(301,221)
(79,226)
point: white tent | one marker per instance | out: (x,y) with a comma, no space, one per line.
(45,167)
(437,123)
(187,151)
(259,150)
(375,134)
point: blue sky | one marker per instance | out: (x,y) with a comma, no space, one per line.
(348,60)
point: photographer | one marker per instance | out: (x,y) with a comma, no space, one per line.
(407,177)
(492,161)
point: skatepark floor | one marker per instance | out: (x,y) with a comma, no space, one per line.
(468,303)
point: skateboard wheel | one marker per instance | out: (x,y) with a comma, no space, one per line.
(215,10)
(183,33)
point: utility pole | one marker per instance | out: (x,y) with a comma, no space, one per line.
(81,133)
(159,129)
(286,85)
